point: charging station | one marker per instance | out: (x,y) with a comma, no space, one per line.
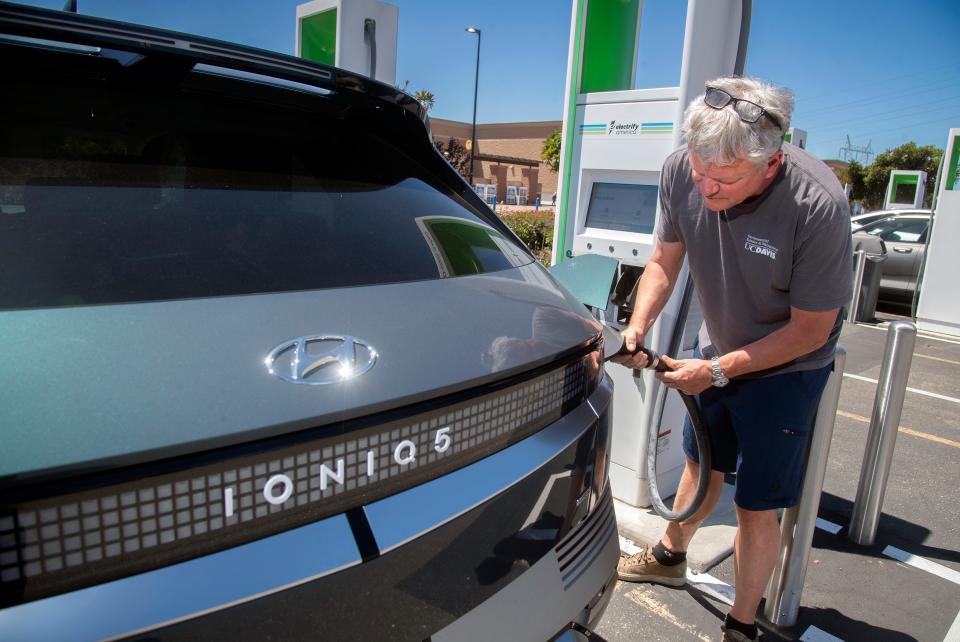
(938,309)
(358,35)
(905,190)
(615,140)
(796,136)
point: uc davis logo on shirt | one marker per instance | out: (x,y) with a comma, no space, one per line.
(760,246)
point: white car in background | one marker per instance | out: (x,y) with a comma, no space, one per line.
(904,236)
(858,221)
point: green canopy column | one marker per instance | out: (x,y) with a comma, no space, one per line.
(603,57)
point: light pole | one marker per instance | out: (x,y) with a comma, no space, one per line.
(476,82)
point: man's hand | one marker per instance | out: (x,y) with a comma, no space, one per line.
(691,376)
(632,339)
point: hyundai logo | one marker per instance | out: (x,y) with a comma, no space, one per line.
(321,359)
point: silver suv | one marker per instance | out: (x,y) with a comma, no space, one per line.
(904,236)
(271,369)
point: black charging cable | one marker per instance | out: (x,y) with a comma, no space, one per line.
(703,446)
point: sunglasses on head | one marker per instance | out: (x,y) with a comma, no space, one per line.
(748,112)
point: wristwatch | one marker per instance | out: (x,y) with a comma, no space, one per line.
(719,379)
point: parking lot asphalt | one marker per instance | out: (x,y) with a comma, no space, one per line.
(854,592)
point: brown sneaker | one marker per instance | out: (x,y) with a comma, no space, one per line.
(644,567)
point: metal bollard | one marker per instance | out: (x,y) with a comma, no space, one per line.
(884,423)
(798,523)
(859,267)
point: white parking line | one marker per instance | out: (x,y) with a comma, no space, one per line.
(940,359)
(953,635)
(937,337)
(923,335)
(720,590)
(914,390)
(627,547)
(830,527)
(923,564)
(813,634)
(715,588)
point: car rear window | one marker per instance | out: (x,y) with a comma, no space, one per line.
(112,193)
(902,230)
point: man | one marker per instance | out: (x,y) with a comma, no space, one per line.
(766,231)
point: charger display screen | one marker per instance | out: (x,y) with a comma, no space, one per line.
(623,207)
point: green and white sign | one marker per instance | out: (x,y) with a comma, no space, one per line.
(905,189)
(953,165)
(356,35)
(318,37)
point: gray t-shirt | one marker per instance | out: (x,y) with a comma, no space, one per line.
(790,246)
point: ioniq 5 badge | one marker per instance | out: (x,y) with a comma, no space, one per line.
(336,358)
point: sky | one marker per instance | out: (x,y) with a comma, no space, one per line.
(881,72)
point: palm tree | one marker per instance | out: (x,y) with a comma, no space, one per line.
(425,97)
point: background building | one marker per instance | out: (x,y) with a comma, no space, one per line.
(507,158)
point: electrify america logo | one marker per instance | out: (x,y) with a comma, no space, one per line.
(761,247)
(623,129)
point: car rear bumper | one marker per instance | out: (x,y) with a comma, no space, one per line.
(514,546)
(573,582)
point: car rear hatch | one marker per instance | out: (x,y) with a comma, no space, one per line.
(215,281)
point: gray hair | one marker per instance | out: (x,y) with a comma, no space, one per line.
(719,137)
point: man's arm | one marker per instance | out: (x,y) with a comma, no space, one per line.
(656,284)
(804,332)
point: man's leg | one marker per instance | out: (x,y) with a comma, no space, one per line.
(678,534)
(665,562)
(774,416)
(653,563)
(723,446)
(755,552)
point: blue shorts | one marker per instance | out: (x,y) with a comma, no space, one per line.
(759,428)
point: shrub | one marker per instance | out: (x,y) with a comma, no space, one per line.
(550,153)
(535,229)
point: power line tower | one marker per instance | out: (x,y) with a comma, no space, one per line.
(861,154)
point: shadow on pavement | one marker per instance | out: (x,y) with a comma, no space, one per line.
(837,624)
(892,530)
(708,603)
(830,621)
